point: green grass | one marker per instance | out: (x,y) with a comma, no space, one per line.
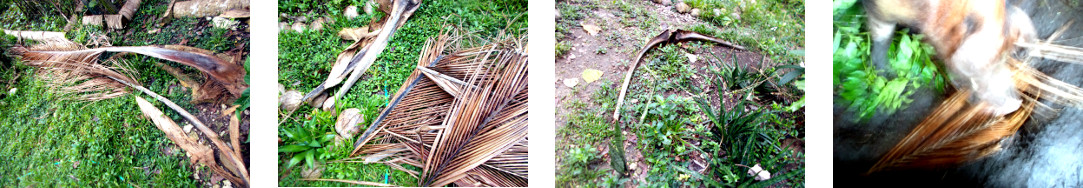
(46,134)
(774,27)
(305,59)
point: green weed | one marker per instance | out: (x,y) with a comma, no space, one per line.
(859,84)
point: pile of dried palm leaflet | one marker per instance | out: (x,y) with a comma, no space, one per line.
(461,117)
(959,131)
(98,73)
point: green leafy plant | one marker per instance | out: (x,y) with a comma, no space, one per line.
(859,84)
(306,145)
(577,164)
(746,135)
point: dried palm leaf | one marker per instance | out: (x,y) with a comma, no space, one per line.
(955,132)
(71,62)
(461,117)
(227,74)
(958,131)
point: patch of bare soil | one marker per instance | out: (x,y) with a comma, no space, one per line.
(217,117)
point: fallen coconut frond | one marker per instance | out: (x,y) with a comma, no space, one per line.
(460,116)
(198,153)
(955,132)
(958,131)
(362,59)
(69,62)
(669,36)
(227,75)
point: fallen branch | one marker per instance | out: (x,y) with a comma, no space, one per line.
(198,153)
(362,60)
(671,36)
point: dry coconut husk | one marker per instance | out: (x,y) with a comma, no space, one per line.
(114,21)
(205,8)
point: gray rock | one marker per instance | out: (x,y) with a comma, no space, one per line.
(351,12)
(683,8)
(290,101)
(348,123)
(299,27)
(224,23)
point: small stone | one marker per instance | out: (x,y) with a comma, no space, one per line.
(633,165)
(281,89)
(302,18)
(317,105)
(225,23)
(590,28)
(193,137)
(348,122)
(290,101)
(328,20)
(735,16)
(691,57)
(558,14)
(696,12)
(329,104)
(760,173)
(313,172)
(351,12)
(683,8)
(283,26)
(717,12)
(571,82)
(299,27)
(13,91)
(317,25)
(368,7)
(188,128)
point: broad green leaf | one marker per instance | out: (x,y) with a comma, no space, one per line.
(292,148)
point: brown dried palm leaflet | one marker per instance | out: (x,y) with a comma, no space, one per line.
(461,117)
